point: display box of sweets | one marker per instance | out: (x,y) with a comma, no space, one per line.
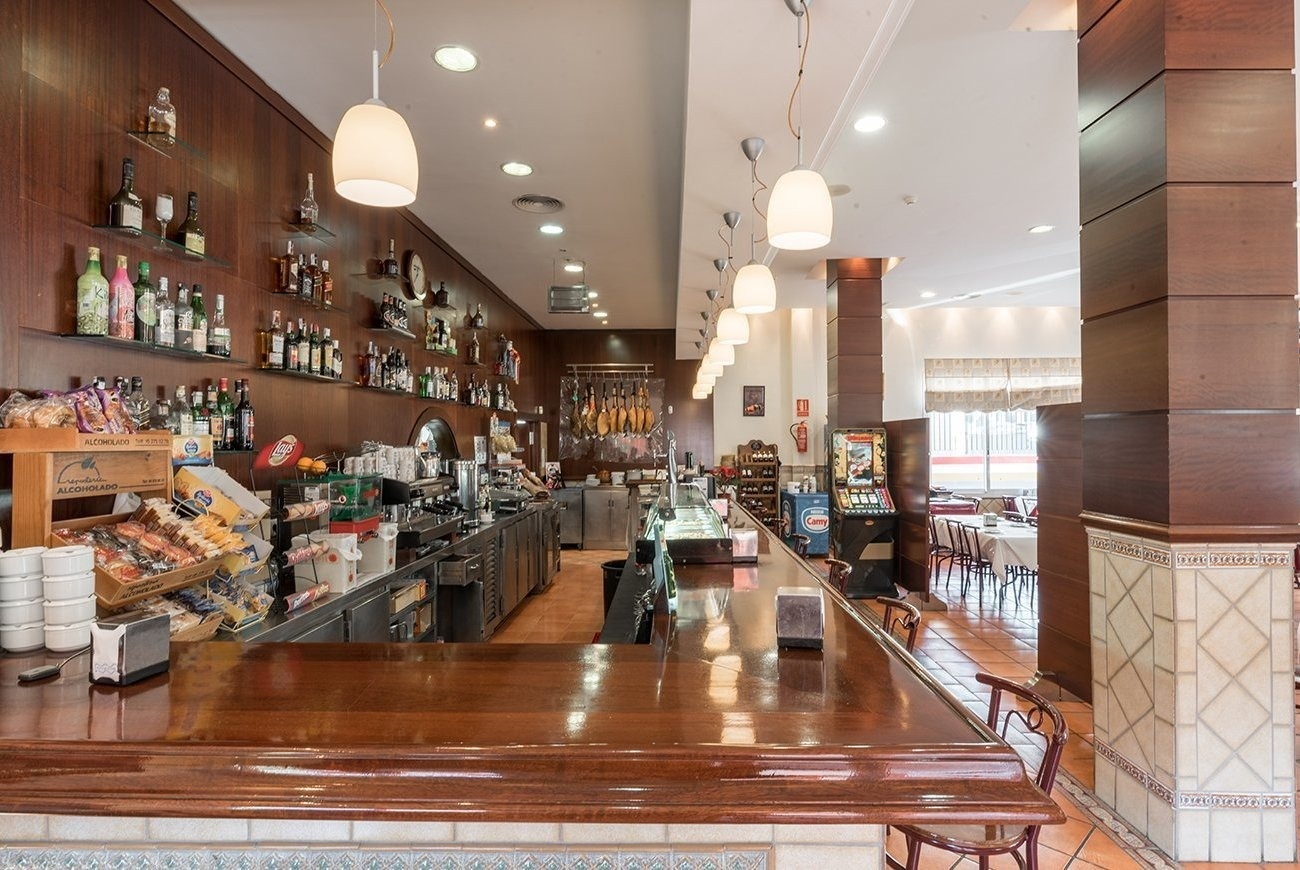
(211,490)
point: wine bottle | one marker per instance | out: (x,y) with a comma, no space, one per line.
(226,411)
(189,235)
(219,339)
(126,209)
(390,268)
(146,305)
(121,302)
(307,209)
(244,420)
(92,297)
(165,330)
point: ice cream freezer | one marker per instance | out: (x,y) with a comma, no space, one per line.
(807,513)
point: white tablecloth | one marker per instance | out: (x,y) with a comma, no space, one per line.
(1008,544)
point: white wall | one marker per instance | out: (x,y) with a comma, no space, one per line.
(910,336)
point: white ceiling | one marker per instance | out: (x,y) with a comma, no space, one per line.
(632,112)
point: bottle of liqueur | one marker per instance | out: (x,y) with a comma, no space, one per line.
(389,268)
(200,324)
(200,413)
(121,302)
(306,280)
(244,420)
(146,305)
(475,352)
(288,281)
(313,351)
(291,347)
(161,123)
(338,360)
(184,318)
(92,297)
(304,346)
(307,209)
(126,209)
(477,321)
(226,413)
(181,421)
(165,331)
(216,425)
(138,408)
(325,285)
(442,299)
(271,344)
(219,332)
(190,235)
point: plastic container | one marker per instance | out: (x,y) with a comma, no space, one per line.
(336,568)
(71,586)
(68,612)
(379,554)
(65,561)
(20,563)
(67,638)
(25,638)
(21,612)
(21,588)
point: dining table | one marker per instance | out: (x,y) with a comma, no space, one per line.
(1007,543)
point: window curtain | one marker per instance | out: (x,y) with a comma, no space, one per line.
(1000,384)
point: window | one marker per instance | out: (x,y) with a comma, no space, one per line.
(983,419)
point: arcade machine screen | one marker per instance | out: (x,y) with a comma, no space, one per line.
(858,464)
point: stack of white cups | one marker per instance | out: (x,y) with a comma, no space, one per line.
(22,612)
(69,587)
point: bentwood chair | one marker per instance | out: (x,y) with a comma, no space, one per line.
(977,567)
(801,543)
(939,553)
(901,618)
(1033,717)
(839,575)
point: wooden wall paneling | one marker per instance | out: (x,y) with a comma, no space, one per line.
(1124,51)
(1213,484)
(908,461)
(1254,125)
(1121,156)
(856,373)
(1090,12)
(1127,466)
(1070,658)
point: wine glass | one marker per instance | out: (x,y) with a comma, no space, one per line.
(162,210)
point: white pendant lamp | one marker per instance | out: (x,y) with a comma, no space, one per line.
(709,367)
(722,353)
(799,214)
(755,289)
(374,154)
(699,392)
(733,327)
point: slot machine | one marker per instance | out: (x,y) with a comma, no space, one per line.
(864,524)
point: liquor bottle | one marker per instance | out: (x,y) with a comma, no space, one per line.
(442,299)
(200,325)
(219,338)
(471,391)
(121,302)
(325,288)
(165,331)
(403,315)
(189,235)
(426,383)
(477,321)
(181,421)
(291,348)
(264,342)
(216,425)
(313,349)
(244,420)
(453,389)
(138,408)
(389,268)
(313,272)
(372,366)
(307,209)
(338,360)
(126,209)
(226,412)
(475,352)
(288,278)
(146,305)
(200,413)
(160,416)
(306,287)
(161,123)
(304,346)
(92,297)
(184,318)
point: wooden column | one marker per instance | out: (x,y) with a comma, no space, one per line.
(855,380)
(1191,442)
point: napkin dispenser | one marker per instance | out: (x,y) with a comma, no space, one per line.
(129,647)
(990,521)
(800,617)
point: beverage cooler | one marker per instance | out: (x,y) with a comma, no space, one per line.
(807,513)
(864,524)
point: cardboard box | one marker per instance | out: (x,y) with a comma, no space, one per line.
(211,490)
(247,560)
(191,450)
(114,593)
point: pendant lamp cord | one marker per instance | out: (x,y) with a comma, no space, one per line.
(756,187)
(803,27)
(392,32)
(375,62)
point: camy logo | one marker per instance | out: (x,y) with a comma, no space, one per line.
(815,519)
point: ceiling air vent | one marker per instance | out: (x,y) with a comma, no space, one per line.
(571,299)
(536,203)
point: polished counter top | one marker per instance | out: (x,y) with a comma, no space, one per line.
(710,723)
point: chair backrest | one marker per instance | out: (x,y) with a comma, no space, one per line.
(801,543)
(839,574)
(971,541)
(1036,717)
(901,617)
(1010,504)
(957,537)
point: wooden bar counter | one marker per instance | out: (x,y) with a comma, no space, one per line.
(714,726)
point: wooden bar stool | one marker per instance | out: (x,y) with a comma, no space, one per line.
(901,618)
(839,575)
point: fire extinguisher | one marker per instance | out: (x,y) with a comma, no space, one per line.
(799,431)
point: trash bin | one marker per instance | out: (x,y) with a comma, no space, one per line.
(613,571)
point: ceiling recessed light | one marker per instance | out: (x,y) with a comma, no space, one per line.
(1042,228)
(573,266)
(489,122)
(869,123)
(551,229)
(927,294)
(517,169)
(455,58)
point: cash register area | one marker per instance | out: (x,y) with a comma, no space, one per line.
(953,646)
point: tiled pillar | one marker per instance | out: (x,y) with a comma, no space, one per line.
(1190,436)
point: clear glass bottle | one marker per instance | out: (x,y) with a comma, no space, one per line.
(219,331)
(165,330)
(92,297)
(161,123)
(160,418)
(138,408)
(307,209)
(181,420)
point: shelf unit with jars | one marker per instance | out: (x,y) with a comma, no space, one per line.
(758,484)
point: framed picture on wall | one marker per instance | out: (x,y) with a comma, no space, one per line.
(753,401)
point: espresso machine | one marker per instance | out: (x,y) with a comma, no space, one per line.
(425,515)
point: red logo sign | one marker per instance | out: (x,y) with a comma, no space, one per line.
(815,519)
(283,452)
(801,408)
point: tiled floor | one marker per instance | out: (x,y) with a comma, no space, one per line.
(970,636)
